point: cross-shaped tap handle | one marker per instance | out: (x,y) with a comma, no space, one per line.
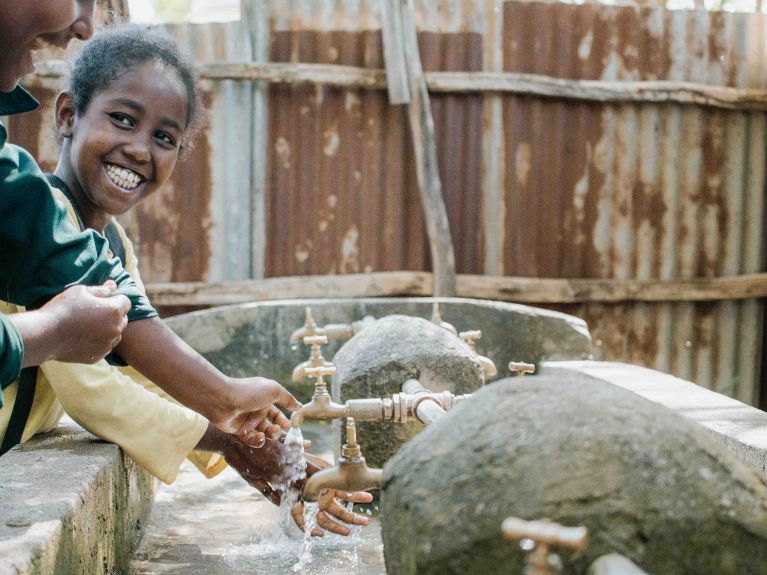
(315,339)
(521,368)
(320,372)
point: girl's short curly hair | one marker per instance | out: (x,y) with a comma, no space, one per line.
(118,50)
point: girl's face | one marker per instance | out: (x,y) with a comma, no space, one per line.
(31,25)
(124,146)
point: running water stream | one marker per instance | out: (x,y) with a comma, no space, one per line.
(222,526)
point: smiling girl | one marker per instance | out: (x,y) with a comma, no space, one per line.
(130,106)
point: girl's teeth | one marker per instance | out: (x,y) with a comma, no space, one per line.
(123,177)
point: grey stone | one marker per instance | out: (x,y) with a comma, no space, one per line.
(647,483)
(70,504)
(379,359)
(253,339)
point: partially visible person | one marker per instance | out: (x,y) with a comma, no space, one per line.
(122,122)
(81,324)
(41,254)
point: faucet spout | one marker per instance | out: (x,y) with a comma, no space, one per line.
(350,474)
(488,366)
(321,406)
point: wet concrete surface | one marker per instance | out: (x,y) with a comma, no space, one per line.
(221,526)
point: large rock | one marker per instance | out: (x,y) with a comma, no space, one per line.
(253,339)
(647,483)
(379,359)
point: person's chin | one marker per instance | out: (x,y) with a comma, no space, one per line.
(11,75)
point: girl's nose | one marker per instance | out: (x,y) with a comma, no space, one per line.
(82,27)
(138,150)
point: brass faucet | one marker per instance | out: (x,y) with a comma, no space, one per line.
(315,358)
(414,403)
(351,473)
(521,368)
(436,318)
(539,537)
(321,405)
(470,338)
(331,330)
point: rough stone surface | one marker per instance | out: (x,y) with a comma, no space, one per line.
(379,359)
(253,339)
(70,503)
(647,483)
(741,428)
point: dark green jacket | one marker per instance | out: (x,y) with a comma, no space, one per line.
(41,253)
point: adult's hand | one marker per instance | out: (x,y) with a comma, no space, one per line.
(80,325)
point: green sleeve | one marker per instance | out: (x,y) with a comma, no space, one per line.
(11,353)
(41,252)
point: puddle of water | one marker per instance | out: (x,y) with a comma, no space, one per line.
(221,526)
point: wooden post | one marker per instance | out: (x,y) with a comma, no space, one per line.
(427,169)
(394,52)
(255,15)
(112,11)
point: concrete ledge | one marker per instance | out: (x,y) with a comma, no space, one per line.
(70,503)
(740,427)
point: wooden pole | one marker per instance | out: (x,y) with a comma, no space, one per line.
(394,52)
(427,169)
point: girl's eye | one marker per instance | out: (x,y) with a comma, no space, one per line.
(166,138)
(121,119)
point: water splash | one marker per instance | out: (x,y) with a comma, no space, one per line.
(293,470)
(310,522)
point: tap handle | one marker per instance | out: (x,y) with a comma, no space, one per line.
(545,532)
(315,339)
(470,338)
(521,368)
(319,372)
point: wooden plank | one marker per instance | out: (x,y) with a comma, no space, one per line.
(394,52)
(543,290)
(514,289)
(659,92)
(427,168)
(378,284)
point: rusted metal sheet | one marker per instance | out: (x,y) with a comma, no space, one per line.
(342,193)
(643,192)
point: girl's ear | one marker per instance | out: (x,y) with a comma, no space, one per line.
(65,114)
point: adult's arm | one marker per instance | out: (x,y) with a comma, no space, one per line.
(11,352)
(80,325)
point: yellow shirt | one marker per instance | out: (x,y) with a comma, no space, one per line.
(116,404)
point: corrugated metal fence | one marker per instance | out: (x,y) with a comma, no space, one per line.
(299,179)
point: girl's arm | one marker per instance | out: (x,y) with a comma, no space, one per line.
(233,405)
